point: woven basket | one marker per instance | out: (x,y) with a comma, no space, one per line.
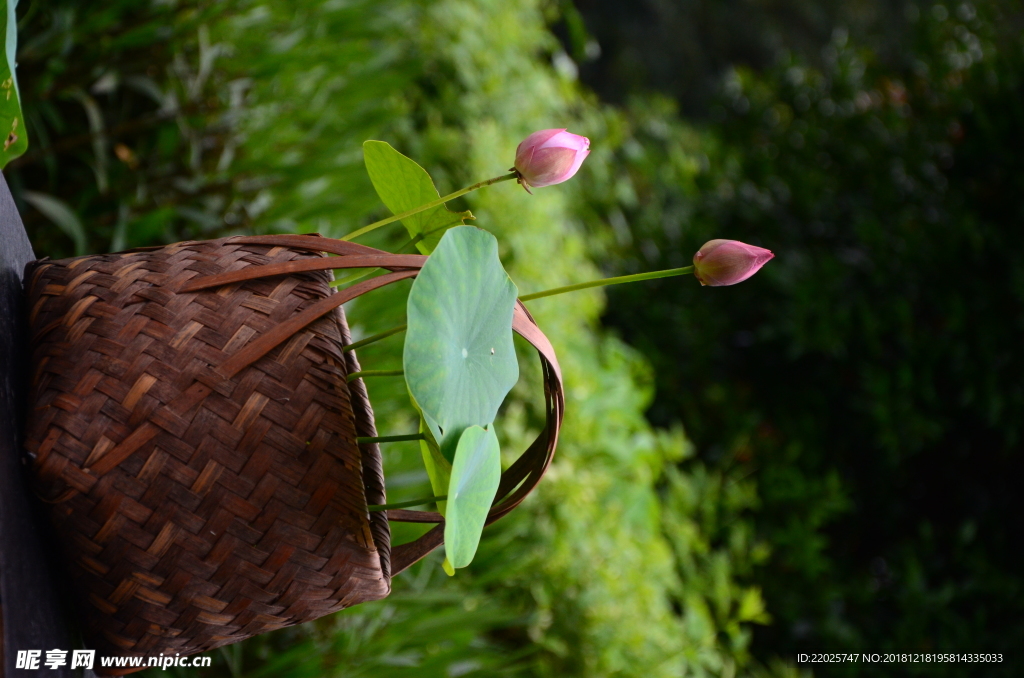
(195,438)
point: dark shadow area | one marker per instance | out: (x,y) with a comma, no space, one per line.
(684,47)
(869,377)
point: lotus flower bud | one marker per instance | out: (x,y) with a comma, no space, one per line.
(549,157)
(727,262)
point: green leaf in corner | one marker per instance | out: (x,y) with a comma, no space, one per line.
(12,122)
(403,185)
(475,477)
(459,359)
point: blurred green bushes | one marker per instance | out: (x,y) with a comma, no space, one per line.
(155,122)
(869,378)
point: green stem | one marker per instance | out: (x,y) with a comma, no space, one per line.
(351,277)
(609,281)
(548,293)
(391,439)
(356,276)
(440,201)
(404,504)
(376,337)
(411,243)
(375,373)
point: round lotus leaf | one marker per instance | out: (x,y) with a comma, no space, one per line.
(459,359)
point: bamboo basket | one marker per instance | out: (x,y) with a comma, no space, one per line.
(194,437)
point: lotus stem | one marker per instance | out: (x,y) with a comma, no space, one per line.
(376,337)
(352,277)
(390,439)
(434,203)
(375,373)
(404,504)
(609,281)
(411,243)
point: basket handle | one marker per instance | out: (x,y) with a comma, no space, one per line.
(517,481)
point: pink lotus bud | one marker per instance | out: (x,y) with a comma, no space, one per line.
(727,262)
(549,157)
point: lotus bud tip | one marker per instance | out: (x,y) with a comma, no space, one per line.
(549,156)
(727,262)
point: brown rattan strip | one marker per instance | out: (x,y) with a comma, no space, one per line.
(310,243)
(266,343)
(303,265)
(373,469)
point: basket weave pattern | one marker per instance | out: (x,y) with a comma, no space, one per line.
(195,509)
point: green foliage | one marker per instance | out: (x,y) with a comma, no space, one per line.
(403,185)
(136,113)
(12,122)
(476,473)
(867,378)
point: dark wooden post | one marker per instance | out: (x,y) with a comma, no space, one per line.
(32,616)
